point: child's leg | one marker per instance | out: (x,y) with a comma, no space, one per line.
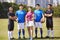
(36,32)
(41,32)
(52,31)
(23,31)
(31,33)
(19,32)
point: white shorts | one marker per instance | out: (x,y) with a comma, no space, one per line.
(20,26)
(30,23)
(38,24)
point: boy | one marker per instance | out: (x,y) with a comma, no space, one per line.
(49,20)
(20,14)
(11,18)
(39,18)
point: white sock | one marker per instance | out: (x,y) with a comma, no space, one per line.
(8,35)
(48,32)
(11,34)
(52,32)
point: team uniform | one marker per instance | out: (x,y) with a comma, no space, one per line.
(38,15)
(21,18)
(49,23)
(49,20)
(10,22)
(10,26)
(29,17)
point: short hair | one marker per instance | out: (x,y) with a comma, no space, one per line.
(37,4)
(21,5)
(11,7)
(50,5)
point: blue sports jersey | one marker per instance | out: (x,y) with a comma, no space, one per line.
(38,15)
(21,16)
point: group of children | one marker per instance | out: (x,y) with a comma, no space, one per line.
(31,19)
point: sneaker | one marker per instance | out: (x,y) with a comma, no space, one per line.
(24,37)
(35,36)
(19,38)
(41,36)
(11,38)
(47,37)
(31,39)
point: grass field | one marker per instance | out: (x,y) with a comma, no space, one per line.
(4,30)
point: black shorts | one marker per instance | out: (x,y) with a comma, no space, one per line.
(49,23)
(11,27)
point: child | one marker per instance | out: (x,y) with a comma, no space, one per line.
(49,20)
(30,22)
(11,18)
(20,14)
(39,19)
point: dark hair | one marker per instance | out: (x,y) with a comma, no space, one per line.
(21,5)
(50,5)
(37,4)
(10,7)
(29,7)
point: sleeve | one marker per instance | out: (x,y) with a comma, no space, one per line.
(16,14)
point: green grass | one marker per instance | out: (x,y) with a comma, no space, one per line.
(4,30)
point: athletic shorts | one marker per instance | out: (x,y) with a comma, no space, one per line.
(10,27)
(30,23)
(38,24)
(20,26)
(49,23)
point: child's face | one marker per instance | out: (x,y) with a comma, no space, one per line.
(48,6)
(21,7)
(10,9)
(37,7)
(29,9)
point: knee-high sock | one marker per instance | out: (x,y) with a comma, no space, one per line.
(52,32)
(48,32)
(36,31)
(41,32)
(9,34)
(23,31)
(19,33)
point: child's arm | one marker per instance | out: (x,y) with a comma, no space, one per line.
(43,19)
(48,15)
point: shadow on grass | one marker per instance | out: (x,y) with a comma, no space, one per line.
(48,38)
(39,38)
(22,39)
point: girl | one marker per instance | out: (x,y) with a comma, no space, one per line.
(30,22)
